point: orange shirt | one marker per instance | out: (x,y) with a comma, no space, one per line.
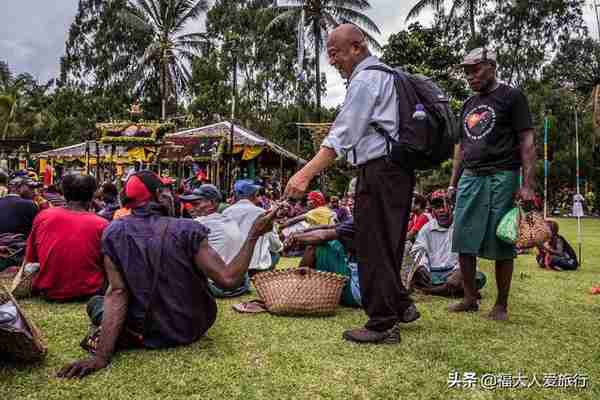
(121,212)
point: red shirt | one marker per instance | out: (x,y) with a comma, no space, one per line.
(67,244)
(417,222)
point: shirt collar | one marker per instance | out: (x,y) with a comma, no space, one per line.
(435,226)
(245,201)
(367,62)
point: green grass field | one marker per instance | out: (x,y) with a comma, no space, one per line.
(553,330)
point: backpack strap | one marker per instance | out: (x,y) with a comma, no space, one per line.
(396,75)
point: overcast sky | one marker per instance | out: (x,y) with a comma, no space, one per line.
(33,35)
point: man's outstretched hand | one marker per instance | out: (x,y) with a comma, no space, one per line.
(296,186)
(81,368)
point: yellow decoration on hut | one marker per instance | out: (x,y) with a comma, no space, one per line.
(137,154)
(43,163)
(251,152)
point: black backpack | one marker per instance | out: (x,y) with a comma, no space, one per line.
(426,142)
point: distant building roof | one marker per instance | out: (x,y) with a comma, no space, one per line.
(241,137)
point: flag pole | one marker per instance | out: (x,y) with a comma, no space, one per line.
(577,176)
(545,166)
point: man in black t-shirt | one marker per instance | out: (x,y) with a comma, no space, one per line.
(496,140)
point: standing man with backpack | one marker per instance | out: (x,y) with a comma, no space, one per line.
(384,190)
(496,139)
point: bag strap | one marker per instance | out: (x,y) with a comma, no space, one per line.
(163,225)
(396,75)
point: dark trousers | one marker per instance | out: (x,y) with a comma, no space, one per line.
(382,206)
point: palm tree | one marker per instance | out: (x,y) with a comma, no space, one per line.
(470,7)
(12,94)
(170,50)
(320,17)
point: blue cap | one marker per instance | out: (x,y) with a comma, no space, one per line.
(245,188)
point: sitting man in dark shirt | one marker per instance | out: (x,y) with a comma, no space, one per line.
(17,210)
(158,269)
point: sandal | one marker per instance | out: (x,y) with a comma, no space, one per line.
(250,307)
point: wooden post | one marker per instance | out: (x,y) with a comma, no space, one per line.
(112,162)
(281,171)
(97,161)
(87,157)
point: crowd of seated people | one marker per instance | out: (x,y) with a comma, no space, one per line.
(151,261)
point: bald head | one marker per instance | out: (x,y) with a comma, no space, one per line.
(346,48)
(347,34)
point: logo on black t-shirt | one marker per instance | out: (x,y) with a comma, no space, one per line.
(479,122)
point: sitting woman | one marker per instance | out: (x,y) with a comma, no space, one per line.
(557,253)
(331,249)
(319,213)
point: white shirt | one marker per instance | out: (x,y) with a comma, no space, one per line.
(433,247)
(244,213)
(370,98)
(225,236)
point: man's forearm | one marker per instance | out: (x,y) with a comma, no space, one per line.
(321,161)
(113,320)
(317,227)
(239,265)
(294,220)
(456,162)
(316,237)
(528,158)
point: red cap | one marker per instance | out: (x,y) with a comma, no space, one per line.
(137,193)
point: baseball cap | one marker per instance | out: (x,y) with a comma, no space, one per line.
(245,188)
(479,55)
(140,188)
(204,192)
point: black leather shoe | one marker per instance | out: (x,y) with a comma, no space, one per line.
(411,314)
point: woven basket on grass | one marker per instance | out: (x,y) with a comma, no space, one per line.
(25,343)
(22,283)
(300,291)
(6,279)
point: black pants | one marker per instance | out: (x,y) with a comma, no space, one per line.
(382,207)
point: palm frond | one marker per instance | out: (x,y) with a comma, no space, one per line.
(193,12)
(189,45)
(357,18)
(421,5)
(6,103)
(286,15)
(147,11)
(134,18)
(199,36)
(358,4)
